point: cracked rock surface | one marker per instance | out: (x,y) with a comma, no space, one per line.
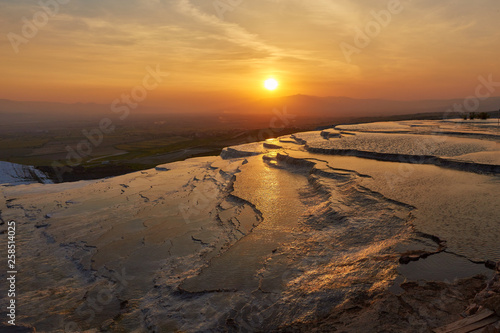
(300,233)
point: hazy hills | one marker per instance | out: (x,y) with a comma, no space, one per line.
(304,105)
(300,105)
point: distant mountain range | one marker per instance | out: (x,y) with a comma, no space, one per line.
(334,107)
(299,105)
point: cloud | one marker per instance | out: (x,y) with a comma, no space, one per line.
(230,32)
(116,39)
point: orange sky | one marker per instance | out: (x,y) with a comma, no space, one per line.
(219,54)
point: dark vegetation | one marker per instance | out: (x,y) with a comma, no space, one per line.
(147,141)
(473,115)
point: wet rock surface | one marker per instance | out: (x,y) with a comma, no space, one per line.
(422,307)
(270,236)
(16,174)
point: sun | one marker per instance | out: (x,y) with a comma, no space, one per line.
(271,84)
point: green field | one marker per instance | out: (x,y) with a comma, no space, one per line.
(125,150)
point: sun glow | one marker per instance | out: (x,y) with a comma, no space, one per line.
(271,84)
